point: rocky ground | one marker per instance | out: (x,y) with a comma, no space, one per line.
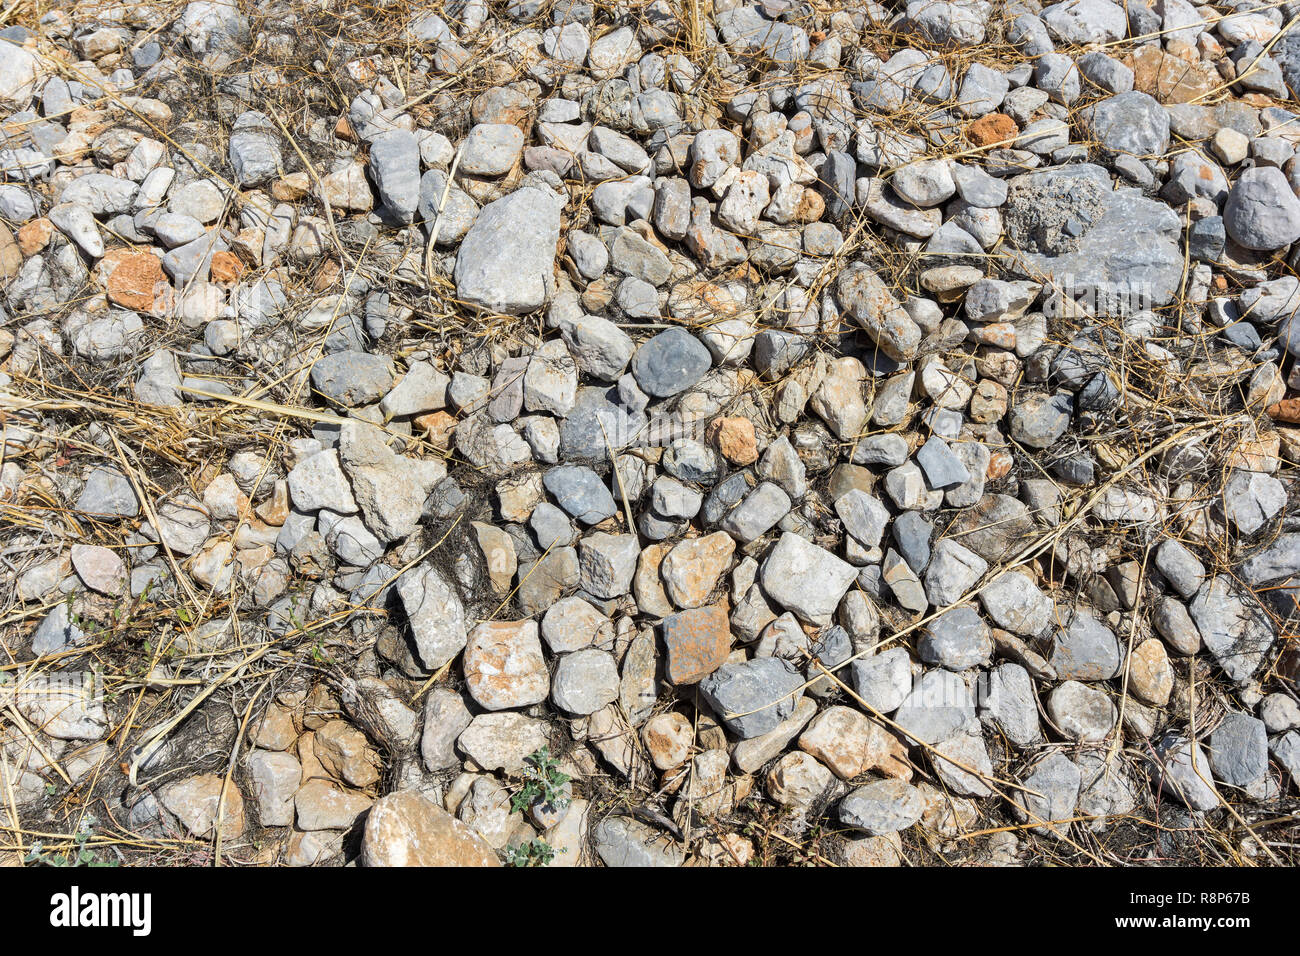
(651,434)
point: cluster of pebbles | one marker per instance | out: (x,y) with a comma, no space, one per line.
(770,426)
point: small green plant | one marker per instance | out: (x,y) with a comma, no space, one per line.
(533,853)
(542,783)
(81,856)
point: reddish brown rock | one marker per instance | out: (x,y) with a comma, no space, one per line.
(1168,78)
(226,267)
(135,278)
(438,428)
(35,236)
(698,642)
(992,129)
(734,439)
(1287,410)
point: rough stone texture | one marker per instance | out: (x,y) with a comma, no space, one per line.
(408,829)
(505,261)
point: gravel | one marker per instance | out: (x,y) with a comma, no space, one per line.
(540,387)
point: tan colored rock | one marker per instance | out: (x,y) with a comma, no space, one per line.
(195,803)
(668,738)
(498,554)
(274,730)
(504,667)
(850,743)
(407,829)
(11,255)
(1150,675)
(322,804)
(345,753)
(1168,78)
(647,585)
(35,235)
(886,850)
(291,188)
(691,570)
(100,568)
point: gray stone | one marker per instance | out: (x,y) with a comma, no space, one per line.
(669,363)
(1286,750)
(1016,604)
(1115,245)
(585,681)
(1232,626)
(501,740)
(607,563)
(580,492)
(445,718)
(56,632)
(1057,76)
(1262,211)
(491,149)
(1280,713)
(108,494)
(1050,796)
(887,449)
(957,639)
(864,517)
(1008,703)
(982,90)
(435,614)
(1086,650)
(318,482)
(805,579)
(1040,420)
(1182,569)
(1132,123)
(395,168)
(1183,771)
(1082,713)
(1239,750)
(757,513)
(881,807)
(506,261)
(753,697)
(937,707)
(883,680)
(1251,499)
(254,149)
(623,842)
(353,378)
(942,468)
(599,347)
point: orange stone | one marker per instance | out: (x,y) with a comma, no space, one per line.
(1000,463)
(291,188)
(992,129)
(1287,410)
(1168,78)
(438,428)
(698,642)
(344,131)
(327,275)
(734,439)
(135,279)
(35,236)
(226,267)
